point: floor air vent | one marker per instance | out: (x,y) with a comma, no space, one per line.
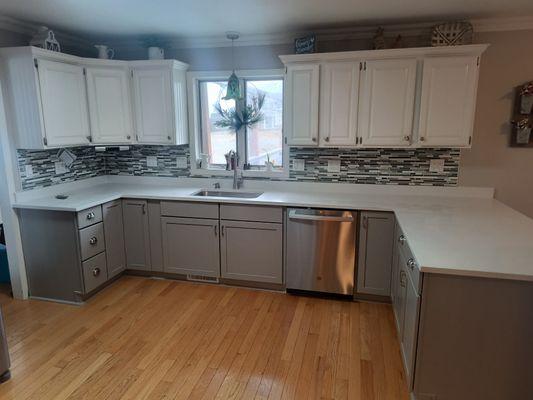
(200,278)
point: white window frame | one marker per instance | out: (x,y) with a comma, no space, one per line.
(195,127)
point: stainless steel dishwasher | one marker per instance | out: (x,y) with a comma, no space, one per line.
(320,250)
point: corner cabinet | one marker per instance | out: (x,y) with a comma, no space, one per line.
(401,98)
(136,234)
(57,100)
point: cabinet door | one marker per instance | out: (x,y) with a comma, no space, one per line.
(339,91)
(64,103)
(301,105)
(108,90)
(410,330)
(114,237)
(154,112)
(180,107)
(136,235)
(376,233)
(252,251)
(191,246)
(386,103)
(448,101)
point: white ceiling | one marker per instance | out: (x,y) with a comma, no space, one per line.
(211,18)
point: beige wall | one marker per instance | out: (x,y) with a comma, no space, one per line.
(507,63)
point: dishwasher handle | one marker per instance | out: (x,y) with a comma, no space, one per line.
(309,216)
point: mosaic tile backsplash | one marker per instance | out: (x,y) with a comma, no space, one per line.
(375,166)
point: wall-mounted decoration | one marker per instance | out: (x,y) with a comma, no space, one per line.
(305,45)
(45,39)
(452,34)
(522,121)
(67,157)
(378,41)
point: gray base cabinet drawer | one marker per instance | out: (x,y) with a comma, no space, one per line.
(252,251)
(94,272)
(251,213)
(92,241)
(189,209)
(190,246)
(89,217)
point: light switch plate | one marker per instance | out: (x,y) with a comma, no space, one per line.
(60,168)
(334,165)
(436,165)
(298,164)
(151,161)
(28,170)
(181,162)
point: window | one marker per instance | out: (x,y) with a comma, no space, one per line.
(255,145)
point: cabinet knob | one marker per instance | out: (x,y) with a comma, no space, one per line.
(326,139)
(93,240)
(411,264)
(407,138)
(168,137)
(314,139)
(128,137)
(90,216)
(422,138)
(96,272)
(402,239)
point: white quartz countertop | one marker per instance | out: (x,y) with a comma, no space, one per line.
(449,234)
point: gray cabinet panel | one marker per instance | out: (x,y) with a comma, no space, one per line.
(189,209)
(239,212)
(252,251)
(136,234)
(156,241)
(92,241)
(89,216)
(94,272)
(376,234)
(114,237)
(410,329)
(400,294)
(191,246)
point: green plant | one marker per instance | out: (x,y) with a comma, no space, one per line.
(247,117)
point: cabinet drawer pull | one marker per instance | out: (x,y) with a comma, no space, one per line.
(411,264)
(402,239)
(90,216)
(96,272)
(222,230)
(93,240)
(216,230)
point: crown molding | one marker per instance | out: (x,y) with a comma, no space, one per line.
(521,23)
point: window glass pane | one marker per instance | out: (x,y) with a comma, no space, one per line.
(265,139)
(216,141)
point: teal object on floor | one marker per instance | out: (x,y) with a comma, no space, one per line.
(4,266)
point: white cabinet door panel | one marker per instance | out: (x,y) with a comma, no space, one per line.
(386,103)
(108,90)
(154,114)
(64,103)
(448,101)
(301,104)
(339,91)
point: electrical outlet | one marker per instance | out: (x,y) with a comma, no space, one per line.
(436,165)
(151,161)
(298,164)
(181,162)
(334,165)
(28,170)
(60,167)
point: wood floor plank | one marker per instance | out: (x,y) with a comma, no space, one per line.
(152,339)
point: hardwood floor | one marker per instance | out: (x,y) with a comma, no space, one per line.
(160,339)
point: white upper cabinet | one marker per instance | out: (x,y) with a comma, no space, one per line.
(339,88)
(108,90)
(448,101)
(386,103)
(64,104)
(301,105)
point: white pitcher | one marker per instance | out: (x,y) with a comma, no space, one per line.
(105,52)
(156,53)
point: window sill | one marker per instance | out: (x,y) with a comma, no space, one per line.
(249,173)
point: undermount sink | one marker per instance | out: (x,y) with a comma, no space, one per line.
(221,193)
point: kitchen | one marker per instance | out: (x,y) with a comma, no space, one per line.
(226,218)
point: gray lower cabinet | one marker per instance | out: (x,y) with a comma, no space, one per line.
(136,234)
(114,237)
(376,236)
(410,328)
(252,251)
(191,246)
